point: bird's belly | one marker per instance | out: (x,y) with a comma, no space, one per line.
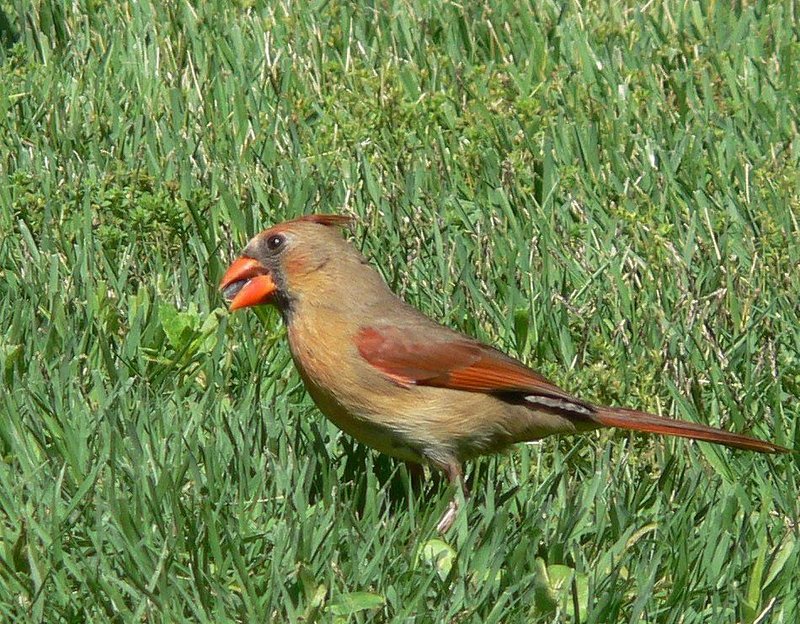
(372,429)
(417,424)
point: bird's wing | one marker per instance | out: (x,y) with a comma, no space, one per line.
(448,360)
(445,359)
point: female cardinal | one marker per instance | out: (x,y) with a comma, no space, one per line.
(400,382)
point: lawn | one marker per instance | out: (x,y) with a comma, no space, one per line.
(609,191)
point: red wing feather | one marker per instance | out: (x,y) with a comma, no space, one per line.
(456,363)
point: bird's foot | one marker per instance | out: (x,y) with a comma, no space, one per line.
(448,518)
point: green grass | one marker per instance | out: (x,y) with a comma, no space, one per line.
(610,193)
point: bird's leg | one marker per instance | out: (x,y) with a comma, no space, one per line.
(416,474)
(456,477)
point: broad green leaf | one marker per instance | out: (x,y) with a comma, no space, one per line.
(353,602)
(439,555)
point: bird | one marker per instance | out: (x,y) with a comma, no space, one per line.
(402,383)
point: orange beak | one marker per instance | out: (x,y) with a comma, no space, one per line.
(247,283)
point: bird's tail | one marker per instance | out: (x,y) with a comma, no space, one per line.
(624,418)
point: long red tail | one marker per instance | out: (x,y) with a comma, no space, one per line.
(650,423)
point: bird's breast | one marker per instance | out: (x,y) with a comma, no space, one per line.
(356,398)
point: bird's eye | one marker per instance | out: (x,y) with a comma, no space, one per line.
(275,242)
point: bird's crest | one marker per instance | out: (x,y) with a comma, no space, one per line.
(327,219)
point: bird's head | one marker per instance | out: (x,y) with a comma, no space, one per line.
(284,261)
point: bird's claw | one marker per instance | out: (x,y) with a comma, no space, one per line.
(449,516)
